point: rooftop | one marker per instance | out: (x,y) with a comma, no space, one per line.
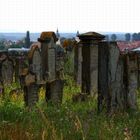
(127,46)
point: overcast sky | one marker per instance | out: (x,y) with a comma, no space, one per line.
(69,15)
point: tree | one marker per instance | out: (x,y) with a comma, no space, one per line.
(27,40)
(113,37)
(134,37)
(139,36)
(107,37)
(127,37)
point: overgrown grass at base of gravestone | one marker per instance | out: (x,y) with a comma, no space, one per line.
(69,121)
(70,88)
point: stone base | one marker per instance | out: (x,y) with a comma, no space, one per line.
(31,95)
(54,91)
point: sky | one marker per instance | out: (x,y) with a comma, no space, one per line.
(70,15)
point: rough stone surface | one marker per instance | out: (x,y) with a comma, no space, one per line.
(54,91)
(31,95)
(7,71)
(93,69)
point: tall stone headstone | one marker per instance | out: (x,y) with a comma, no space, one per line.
(132,80)
(118,77)
(51,67)
(33,77)
(42,71)
(78,63)
(48,55)
(89,43)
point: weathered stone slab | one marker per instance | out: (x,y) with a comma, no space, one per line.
(118,78)
(132,80)
(93,69)
(7,70)
(31,95)
(56,89)
(90,42)
(48,58)
(51,64)
(78,63)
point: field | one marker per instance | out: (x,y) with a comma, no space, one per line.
(69,121)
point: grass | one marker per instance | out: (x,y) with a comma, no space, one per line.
(69,121)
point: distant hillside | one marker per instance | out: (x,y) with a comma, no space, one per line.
(34,36)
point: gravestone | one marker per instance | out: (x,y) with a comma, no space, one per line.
(7,70)
(48,55)
(43,70)
(78,63)
(3,56)
(89,43)
(35,63)
(32,78)
(20,60)
(51,64)
(51,68)
(31,95)
(118,78)
(56,89)
(132,80)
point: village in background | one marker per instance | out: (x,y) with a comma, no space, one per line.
(19,40)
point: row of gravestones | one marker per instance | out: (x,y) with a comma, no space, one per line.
(12,63)
(102,67)
(109,69)
(41,67)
